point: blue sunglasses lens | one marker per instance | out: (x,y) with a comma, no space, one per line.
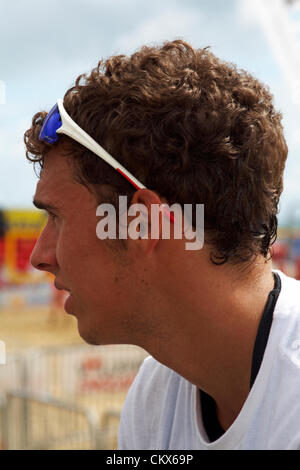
(51,123)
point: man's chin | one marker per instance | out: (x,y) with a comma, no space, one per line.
(90,337)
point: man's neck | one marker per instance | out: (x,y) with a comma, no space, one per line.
(215,319)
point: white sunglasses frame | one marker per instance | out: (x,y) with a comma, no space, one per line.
(71,129)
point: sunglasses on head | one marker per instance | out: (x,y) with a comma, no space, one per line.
(58,122)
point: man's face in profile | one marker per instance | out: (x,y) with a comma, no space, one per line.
(95,275)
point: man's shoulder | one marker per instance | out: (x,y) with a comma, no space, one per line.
(287,321)
(290,287)
(288,303)
(148,411)
(156,387)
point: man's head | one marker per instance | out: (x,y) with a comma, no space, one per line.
(192,128)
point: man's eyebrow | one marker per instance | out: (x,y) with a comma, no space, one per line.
(44,206)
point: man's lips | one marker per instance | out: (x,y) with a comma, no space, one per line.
(61,287)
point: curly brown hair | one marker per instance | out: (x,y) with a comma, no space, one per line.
(189,126)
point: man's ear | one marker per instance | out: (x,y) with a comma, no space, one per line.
(144,220)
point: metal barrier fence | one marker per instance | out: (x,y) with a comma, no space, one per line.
(69,397)
(34,421)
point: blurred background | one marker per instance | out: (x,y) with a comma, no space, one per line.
(56,392)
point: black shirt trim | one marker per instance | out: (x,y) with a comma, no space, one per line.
(209,413)
(264,329)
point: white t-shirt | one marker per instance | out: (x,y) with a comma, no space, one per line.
(162,410)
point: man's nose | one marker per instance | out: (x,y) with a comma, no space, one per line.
(43,256)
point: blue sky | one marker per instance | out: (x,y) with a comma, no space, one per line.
(45,46)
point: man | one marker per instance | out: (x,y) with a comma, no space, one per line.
(221,328)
